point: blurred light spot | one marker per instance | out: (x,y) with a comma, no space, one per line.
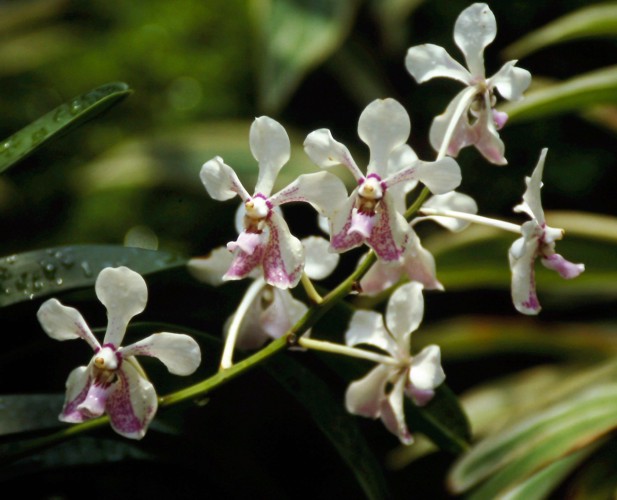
(184,93)
(141,237)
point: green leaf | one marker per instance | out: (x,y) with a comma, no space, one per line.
(593,21)
(442,420)
(29,412)
(292,37)
(330,416)
(538,486)
(38,273)
(535,442)
(59,121)
(575,94)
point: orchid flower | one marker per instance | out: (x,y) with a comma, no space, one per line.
(114,382)
(270,312)
(380,394)
(418,264)
(369,216)
(471,118)
(265,239)
(538,240)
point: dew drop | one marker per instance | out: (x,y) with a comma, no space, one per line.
(76,106)
(85,267)
(203,401)
(39,135)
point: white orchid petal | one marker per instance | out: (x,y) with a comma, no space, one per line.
(460,136)
(319,261)
(77,386)
(326,152)
(270,146)
(522,256)
(428,61)
(419,264)
(381,276)
(383,125)
(486,138)
(177,351)
(281,314)
(440,176)
(64,323)
(393,414)
(124,293)
(475,28)
(283,259)
(455,201)
(247,263)
(510,81)
(323,190)
(211,269)
(367,327)
(404,313)
(364,396)
(565,268)
(131,402)
(221,181)
(426,372)
(532,200)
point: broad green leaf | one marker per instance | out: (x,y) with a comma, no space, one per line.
(592,21)
(39,273)
(575,94)
(330,416)
(596,479)
(442,420)
(514,454)
(538,486)
(60,120)
(292,37)
(29,412)
(393,19)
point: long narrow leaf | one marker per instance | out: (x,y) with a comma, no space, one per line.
(59,121)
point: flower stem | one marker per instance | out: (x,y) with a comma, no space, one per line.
(232,335)
(310,290)
(476,219)
(320,345)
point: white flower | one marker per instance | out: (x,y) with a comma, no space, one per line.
(369,215)
(265,239)
(538,240)
(272,311)
(418,264)
(114,382)
(471,112)
(380,394)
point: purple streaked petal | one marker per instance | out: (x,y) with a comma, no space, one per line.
(393,414)
(390,231)
(364,397)
(94,403)
(243,263)
(63,323)
(221,181)
(270,146)
(341,239)
(565,268)
(77,386)
(124,294)
(383,126)
(131,402)
(475,28)
(283,259)
(323,190)
(246,243)
(361,223)
(326,152)
(428,61)
(522,256)
(177,351)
